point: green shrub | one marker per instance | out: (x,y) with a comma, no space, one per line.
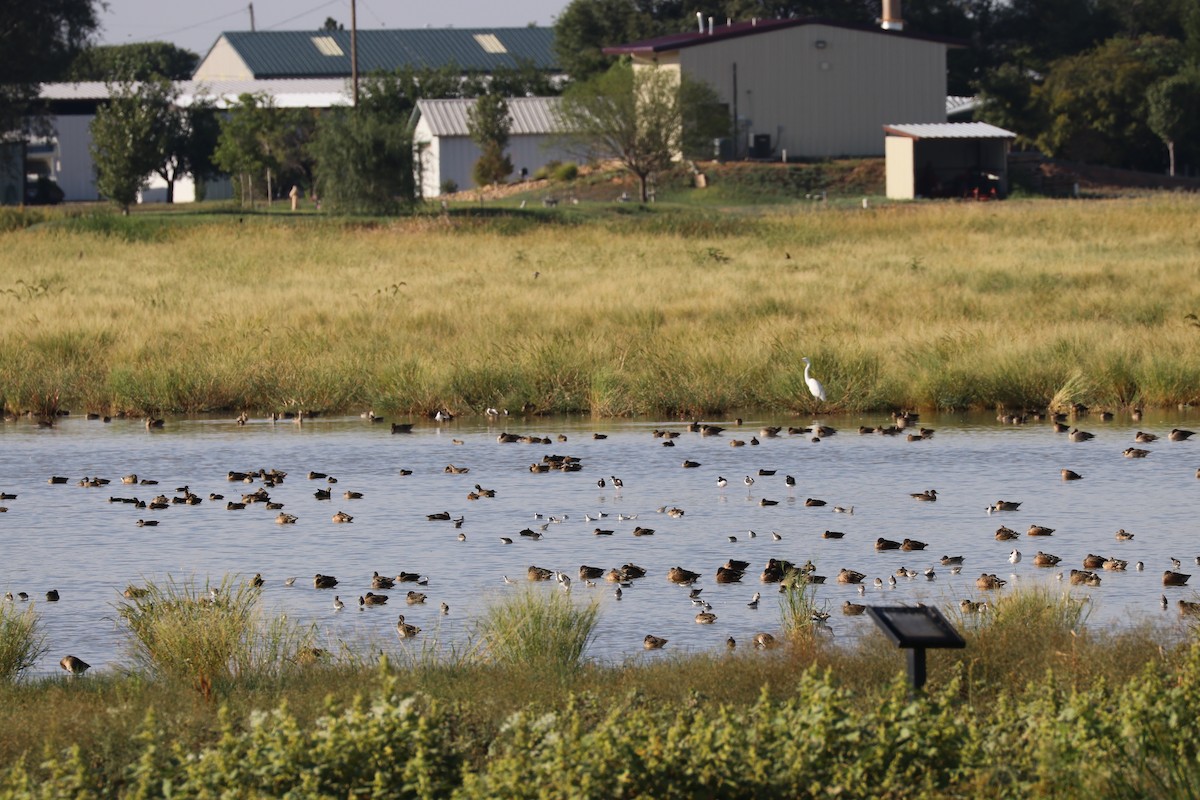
(448,186)
(568,171)
(542,631)
(208,636)
(22,641)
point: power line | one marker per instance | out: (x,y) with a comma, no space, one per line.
(304,13)
(195,25)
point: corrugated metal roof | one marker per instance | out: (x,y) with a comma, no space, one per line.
(678,41)
(950,130)
(530,115)
(287,92)
(960,104)
(314,54)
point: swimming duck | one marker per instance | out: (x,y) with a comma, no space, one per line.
(812,502)
(405,629)
(912,544)
(682,576)
(1124,535)
(1187,607)
(853,609)
(985,581)
(1038,530)
(74,665)
(1115,564)
(1077,435)
(590,573)
(324,581)
(687,464)
(886,544)
(652,642)
(1093,561)
(322,494)
(1177,435)
(342,516)
(1084,577)
(726,574)
(370,599)
(929,495)
(640,531)
(971,607)
(1171,578)
(439,517)
(535,573)
(850,576)
(1145,438)
(948,561)
(257,580)
(706,618)
(382,581)
(1135,452)
(764,641)
(1045,560)
(414,598)
(1071,475)
(286,519)
(1004,505)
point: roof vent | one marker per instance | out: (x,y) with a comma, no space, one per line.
(327,46)
(490,43)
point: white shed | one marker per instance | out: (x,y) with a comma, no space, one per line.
(950,159)
(445,152)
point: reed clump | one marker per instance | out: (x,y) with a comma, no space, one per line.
(545,632)
(670,310)
(208,636)
(22,641)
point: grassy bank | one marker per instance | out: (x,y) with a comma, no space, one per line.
(607,309)
(1081,713)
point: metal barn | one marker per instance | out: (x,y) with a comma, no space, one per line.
(811,87)
(445,152)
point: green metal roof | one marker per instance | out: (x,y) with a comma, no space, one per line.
(324,54)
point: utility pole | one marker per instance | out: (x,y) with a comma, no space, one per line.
(252,17)
(354,49)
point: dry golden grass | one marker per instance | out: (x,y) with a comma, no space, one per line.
(670,311)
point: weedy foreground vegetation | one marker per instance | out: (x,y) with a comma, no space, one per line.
(1036,705)
(609,310)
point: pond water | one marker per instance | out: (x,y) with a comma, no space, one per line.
(71,538)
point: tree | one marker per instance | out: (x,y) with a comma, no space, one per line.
(363,163)
(585,27)
(129,137)
(330,25)
(189,139)
(1171,110)
(489,124)
(638,117)
(1094,102)
(36,45)
(133,62)
(250,143)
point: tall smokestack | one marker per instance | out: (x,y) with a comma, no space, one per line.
(891,16)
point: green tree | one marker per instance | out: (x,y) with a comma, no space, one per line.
(133,62)
(1172,106)
(586,27)
(1094,102)
(37,42)
(130,135)
(363,163)
(189,139)
(638,117)
(489,125)
(250,144)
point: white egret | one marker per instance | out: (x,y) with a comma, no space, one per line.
(814,385)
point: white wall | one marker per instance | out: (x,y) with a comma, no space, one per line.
(453,158)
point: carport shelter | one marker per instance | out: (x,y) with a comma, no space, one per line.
(947,159)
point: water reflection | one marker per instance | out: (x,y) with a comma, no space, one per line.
(72,539)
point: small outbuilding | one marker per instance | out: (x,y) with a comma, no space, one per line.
(949,159)
(445,154)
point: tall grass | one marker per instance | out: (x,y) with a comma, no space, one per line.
(667,310)
(22,641)
(798,606)
(545,632)
(207,636)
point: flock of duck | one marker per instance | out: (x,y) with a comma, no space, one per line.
(776,571)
